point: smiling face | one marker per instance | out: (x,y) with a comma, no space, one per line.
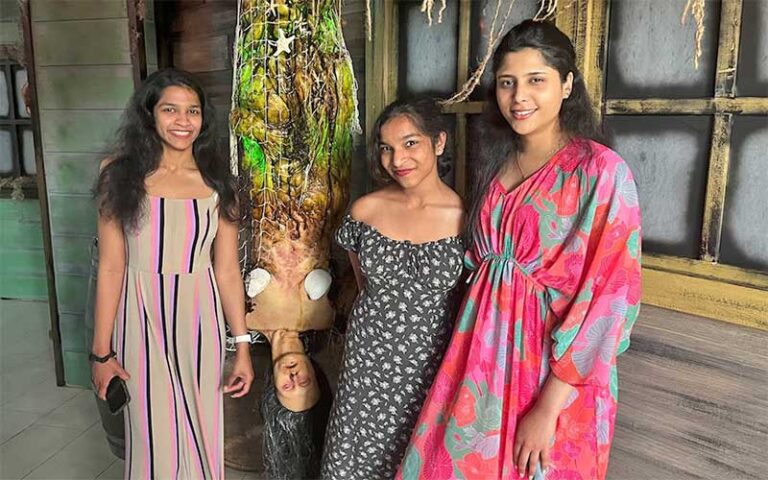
(295,382)
(529,93)
(178,118)
(407,154)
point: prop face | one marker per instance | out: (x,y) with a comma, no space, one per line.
(294,376)
(295,382)
(294,115)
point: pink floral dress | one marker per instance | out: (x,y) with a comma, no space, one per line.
(555,288)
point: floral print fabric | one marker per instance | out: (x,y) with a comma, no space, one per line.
(397,333)
(555,288)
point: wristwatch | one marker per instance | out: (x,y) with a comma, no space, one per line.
(246,337)
(94,358)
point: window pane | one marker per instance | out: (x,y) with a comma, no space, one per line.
(3,95)
(28,152)
(6,153)
(669,157)
(427,55)
(745,222)
(752,77)
(21,81)
(481,20)
(651,55)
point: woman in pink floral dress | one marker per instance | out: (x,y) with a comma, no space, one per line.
(528,386)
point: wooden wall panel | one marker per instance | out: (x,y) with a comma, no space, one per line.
(83,82)
(693,400)
(202,38)
(81,131)
(85,87)
(70,172)
(10,29)
(82,42)
(78,9)
(9,33)
(22,261)
(211,54)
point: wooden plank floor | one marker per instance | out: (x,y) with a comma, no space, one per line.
(693,397)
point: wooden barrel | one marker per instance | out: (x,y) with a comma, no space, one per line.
(114,425)
(242,421)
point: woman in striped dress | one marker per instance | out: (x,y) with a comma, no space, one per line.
(168,278)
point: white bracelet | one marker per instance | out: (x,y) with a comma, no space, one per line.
(242,338)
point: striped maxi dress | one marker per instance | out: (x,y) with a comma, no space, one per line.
(169,337)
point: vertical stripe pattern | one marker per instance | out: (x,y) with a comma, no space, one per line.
(168,336)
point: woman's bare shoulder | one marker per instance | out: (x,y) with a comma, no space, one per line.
(369,206)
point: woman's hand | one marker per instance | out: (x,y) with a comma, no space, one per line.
(241,378)
(533,440)
(102,373)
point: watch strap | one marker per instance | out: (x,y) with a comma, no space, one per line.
(95,358)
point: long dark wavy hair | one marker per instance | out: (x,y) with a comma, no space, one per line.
(137,150)
(498,140)
(425,114)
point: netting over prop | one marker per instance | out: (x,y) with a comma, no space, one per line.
(293,118)
(295,110)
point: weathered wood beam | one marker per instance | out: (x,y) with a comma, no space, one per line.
(468,108)
(462,73)
(710,298)
(138,49)
(708,270)
(585,22)
(720,149)
(717,181)
(728,49)
(42,188)
(688,106)
(380,58)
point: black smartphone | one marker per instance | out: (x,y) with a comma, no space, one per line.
(117,395)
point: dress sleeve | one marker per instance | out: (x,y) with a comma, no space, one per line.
(348,234)
(594,280)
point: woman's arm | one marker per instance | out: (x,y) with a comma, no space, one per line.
(226,269)
(536,429)
(109,284)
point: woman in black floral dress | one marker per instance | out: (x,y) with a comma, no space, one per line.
(403,242)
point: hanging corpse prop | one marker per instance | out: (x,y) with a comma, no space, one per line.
(294,115)
(293,119)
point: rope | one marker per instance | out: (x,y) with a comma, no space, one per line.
(493,36)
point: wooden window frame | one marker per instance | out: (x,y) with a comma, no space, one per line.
(16,125)
(700,286)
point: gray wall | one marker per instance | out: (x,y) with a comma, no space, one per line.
(84,78)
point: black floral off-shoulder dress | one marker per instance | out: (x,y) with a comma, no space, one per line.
(397,334)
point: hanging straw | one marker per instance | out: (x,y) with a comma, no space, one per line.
(696,8)
(546,10)
(428,5)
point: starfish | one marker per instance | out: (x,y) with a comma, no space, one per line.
(272,7)
(283,42)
